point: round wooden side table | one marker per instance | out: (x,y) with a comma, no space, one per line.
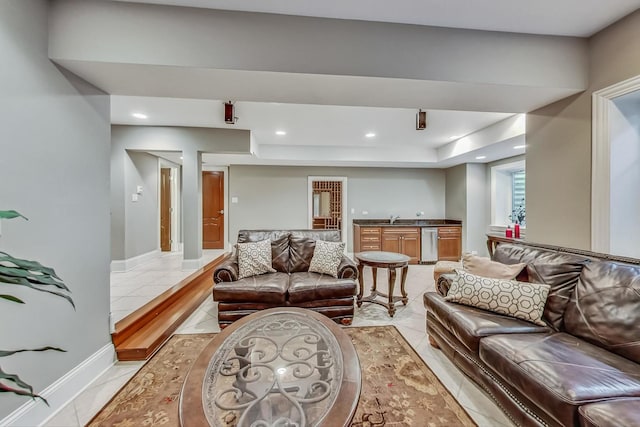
(390,261)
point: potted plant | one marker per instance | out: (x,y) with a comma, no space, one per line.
(32,275)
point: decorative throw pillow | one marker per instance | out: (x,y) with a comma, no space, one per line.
(254,258)
(327,257)
(481,266)
(516,299)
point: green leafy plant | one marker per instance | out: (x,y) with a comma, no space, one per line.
(32,275)
(518,215)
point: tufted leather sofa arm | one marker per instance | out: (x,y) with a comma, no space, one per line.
(444,283)
(227,271)
(347,269)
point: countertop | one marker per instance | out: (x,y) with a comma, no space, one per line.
(408,222)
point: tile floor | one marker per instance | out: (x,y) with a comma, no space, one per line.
(410,321)
(134,288)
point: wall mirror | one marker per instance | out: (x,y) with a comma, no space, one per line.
(327,203)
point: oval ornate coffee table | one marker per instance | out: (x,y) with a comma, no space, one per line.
(391,261)
(276,367)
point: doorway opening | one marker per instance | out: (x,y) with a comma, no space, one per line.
(615,162)
(328,203)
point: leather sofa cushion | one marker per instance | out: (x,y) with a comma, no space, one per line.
(307,286)
(612,413)
(560,372)
(470,324)
(604,308)
(267,288)
(300,253)
(512,254)
(561,272)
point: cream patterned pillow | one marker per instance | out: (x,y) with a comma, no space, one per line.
(327,257)
(516,299)
(254,258)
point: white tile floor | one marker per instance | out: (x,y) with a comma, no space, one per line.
(409,320)
(132,289)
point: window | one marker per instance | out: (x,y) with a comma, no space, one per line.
(508,183)
(518,197)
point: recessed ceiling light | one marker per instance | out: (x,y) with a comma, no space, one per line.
(280,132)
(370,135)
(181,157)
(455,136)
(480,157)
(139,115)
(516,147)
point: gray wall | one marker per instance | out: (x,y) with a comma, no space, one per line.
(478,197)
(54,168)
(559,143)
(142,226)
(192,142)
(276,196)
(467,196)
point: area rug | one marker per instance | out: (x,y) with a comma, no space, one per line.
(398,389)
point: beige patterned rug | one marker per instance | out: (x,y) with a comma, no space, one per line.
(398,389)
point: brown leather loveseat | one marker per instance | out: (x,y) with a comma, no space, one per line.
(292,284)
(581,369)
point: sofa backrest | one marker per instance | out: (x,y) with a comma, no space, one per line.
(291,250)
(605,308)
(559,270)
(279,245)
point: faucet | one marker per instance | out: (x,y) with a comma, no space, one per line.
(393,218)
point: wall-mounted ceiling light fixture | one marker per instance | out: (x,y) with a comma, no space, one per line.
(421,120)
(229,113)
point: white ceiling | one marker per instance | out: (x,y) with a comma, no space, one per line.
(334,133)
(581,18)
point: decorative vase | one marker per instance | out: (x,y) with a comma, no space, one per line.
(508,232)
(516,231)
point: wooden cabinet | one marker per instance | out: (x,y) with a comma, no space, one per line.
(366,238)
(403,240)
(449,243)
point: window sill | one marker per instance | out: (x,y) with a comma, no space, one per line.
(499,230)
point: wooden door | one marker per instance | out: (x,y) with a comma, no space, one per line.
(449,243)
(165,209)
(212,210)
(391,241)
(411,246)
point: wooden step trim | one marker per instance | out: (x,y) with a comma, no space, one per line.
(141,333)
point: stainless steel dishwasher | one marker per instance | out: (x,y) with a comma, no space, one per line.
(429,244)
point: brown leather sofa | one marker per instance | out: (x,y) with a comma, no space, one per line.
(292,285)
(581,369)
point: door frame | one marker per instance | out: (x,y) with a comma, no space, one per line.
(343,179)
(176,197)
(602,101)
(225,175)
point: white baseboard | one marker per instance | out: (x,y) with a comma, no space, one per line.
(128,264)
(62,391)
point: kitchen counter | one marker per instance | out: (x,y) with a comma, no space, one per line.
(407,222)
(422,240)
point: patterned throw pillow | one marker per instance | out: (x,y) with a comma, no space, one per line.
(254,258)
(327,257)
(516,299)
